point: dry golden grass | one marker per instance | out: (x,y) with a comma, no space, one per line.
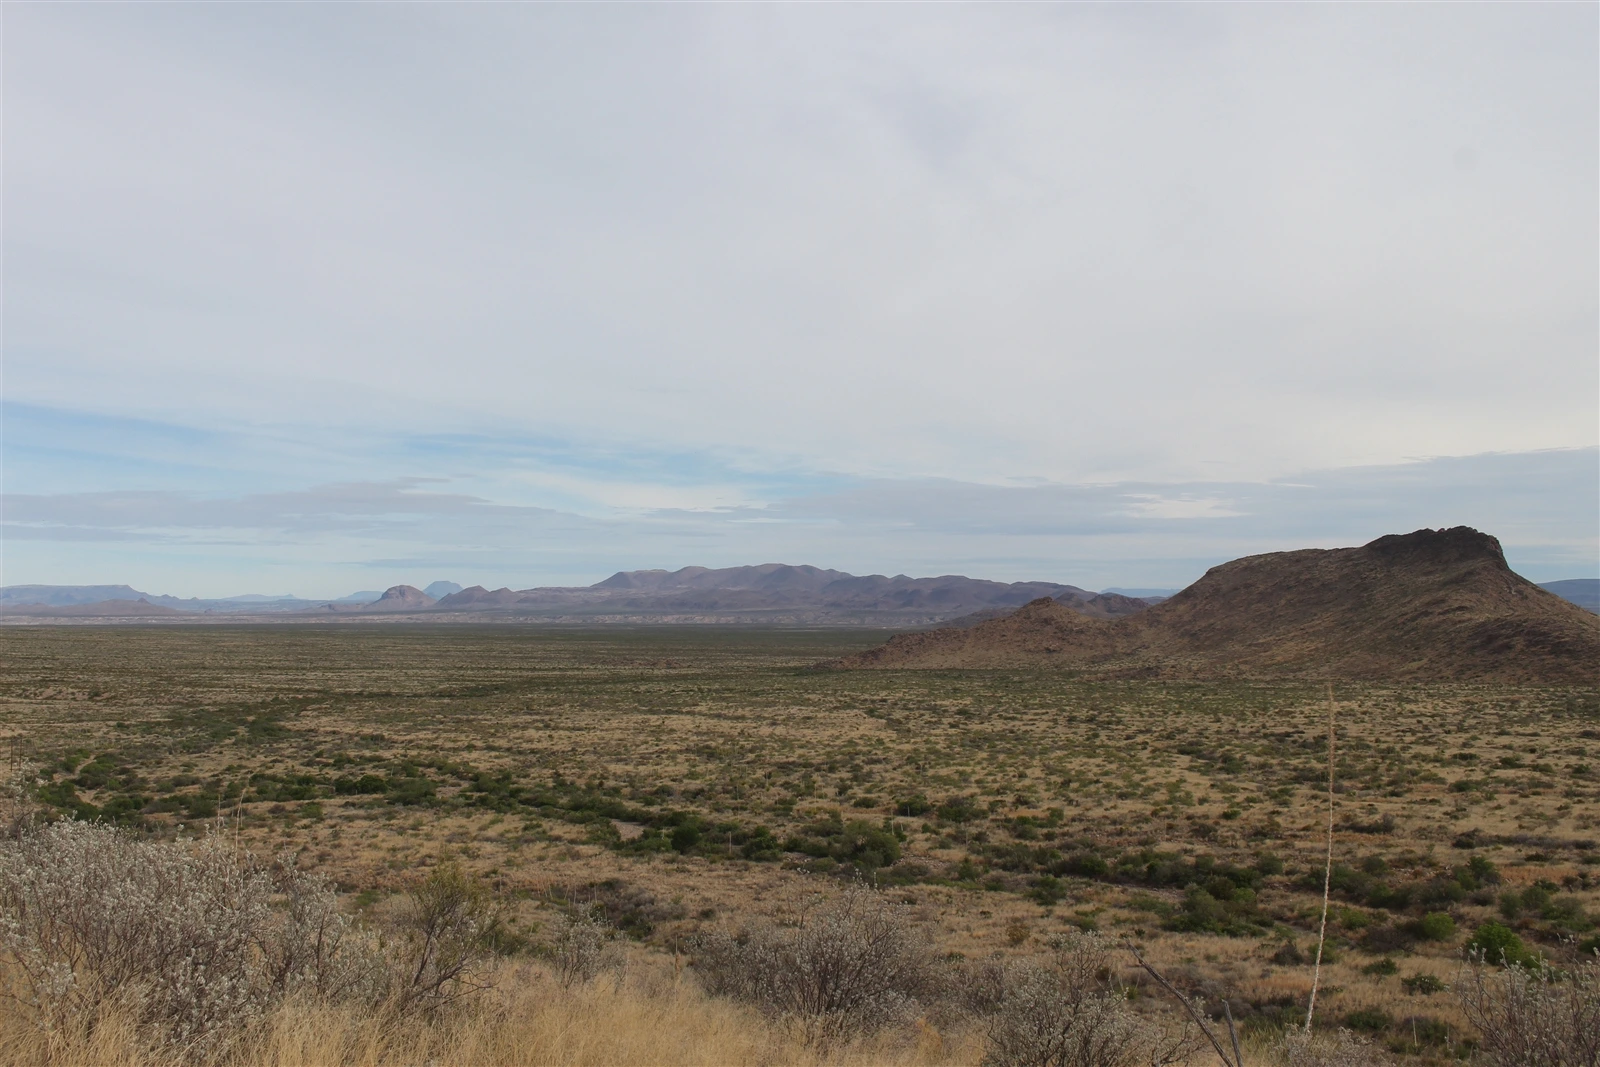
(526,1020)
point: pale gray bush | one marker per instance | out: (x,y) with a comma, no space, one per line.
(308,947)
(1338,1049)
(89,915)
(1068,1012)
(191,937)
(1534,1016)
(853,967)
(581,946)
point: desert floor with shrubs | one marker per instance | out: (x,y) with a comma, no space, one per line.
(694,789)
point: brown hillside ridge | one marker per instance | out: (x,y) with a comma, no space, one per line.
(1434,605)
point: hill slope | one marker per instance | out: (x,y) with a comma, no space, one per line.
(1431,605)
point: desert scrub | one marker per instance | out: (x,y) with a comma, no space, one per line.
(1068,1012)
(1533,1015)
(194,940)
(446,934)
(853,967)
(190,939)
(1338,1049)
(580,947)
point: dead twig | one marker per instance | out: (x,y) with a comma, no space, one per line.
(1188,1007)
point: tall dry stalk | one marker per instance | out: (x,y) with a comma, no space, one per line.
(1327,875)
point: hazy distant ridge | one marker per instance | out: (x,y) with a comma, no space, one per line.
(775,591)
(769,591)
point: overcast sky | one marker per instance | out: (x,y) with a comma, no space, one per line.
(312,298)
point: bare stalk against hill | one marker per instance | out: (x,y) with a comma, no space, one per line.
(1327,875)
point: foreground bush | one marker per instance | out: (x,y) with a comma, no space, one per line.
(856,966)
(185,940)
(1534,1016)
(189,942)
(1068,1013)
(445,932)
(581,946)
(1338,1049)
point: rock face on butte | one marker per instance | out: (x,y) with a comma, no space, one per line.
(1434,605)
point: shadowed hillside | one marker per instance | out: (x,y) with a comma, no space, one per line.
(1430,605)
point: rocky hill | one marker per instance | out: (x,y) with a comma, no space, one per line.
(1434,605)
(400,598)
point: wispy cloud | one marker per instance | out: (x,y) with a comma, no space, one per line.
(1137,533)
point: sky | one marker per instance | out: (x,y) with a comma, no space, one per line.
(316,298)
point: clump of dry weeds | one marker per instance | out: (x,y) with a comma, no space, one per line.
(1069,1012)
(1534,1016)
(853,967)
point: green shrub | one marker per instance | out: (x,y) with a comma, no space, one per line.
(366,784)
(1048,890)
(1500,944)
(409,791)
(1368,1020)
(1203,912)
(761,845)
(1566,912)
(912,806)
(958,809)
(1086,865)
(1436,926)
(1422,984)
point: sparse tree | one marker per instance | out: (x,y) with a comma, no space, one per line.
(445,934)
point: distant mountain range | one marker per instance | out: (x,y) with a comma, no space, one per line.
(772,593)
(1434,605)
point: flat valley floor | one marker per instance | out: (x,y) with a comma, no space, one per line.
(685,778)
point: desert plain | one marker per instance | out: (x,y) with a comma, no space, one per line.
(685,779)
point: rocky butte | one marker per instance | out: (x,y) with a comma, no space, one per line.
(1434,605)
